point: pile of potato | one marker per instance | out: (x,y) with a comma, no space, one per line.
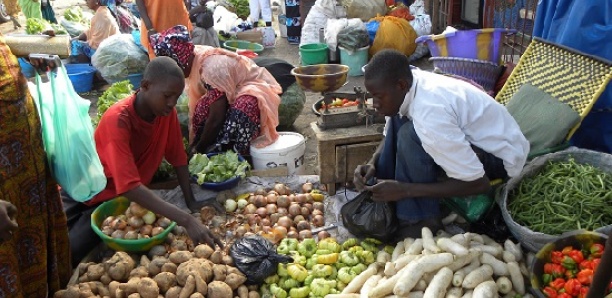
(201,272)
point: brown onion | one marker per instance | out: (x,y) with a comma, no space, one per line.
(307,187)
(163,222)
(240,231)
(292,228)
(322,235)
(299,218)
(282,211)
(295,209)
(260,191)
(250,209)
(271,208)
(260,201)
(262,212)
(300,198)
(131,235)
(266,222)
(251,199)
(135,222)
(118,234)
(285,222)
(287,190)
(156,231)
(274,218)
(280,230)
(319,206)
(271,198)
(318,220)
(309,198)
(107,230)
(291,198)
(279,188)
(316,212)
(292,234)
(283,201)
(255,228)
(304,234)
(303,225)
(118,224)
(253,219)
(266,229)
(137,210)
(305,211)
(107,221)
(129,228)
(146,230)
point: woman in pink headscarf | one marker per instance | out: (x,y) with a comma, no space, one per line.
(232,101)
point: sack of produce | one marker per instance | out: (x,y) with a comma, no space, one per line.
(394,33)
(364,9)
(558,193)
(256,257)
(292,104)
(364,217)
(118,56)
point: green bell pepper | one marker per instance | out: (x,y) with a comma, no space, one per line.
(307,247)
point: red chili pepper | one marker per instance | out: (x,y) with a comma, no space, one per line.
(557,270)
(585,276)
(548,268)
(583,292)
(550,292)
(566,250)
(572,287)
(556,257)
(557,284)
(596,250)
(569,274)
(595,263)
(576,255)
(564,295)
(586,264)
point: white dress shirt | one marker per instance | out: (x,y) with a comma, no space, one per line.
(449,115)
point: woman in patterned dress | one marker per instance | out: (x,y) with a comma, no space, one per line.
(232,101)
(34,250)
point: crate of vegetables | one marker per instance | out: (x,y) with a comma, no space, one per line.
(559,193)
(339,110)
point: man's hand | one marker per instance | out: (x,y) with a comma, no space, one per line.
(388,190)
(200,234)
(44,63)
(363,173)
(8,223)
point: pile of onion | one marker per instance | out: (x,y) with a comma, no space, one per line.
(136,223)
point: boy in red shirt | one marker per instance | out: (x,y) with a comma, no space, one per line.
(132,138)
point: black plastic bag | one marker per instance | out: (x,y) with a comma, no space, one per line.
(256,258)
(365,218)
(493,225)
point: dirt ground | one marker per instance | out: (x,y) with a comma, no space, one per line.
(283,50)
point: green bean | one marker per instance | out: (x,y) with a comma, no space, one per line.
(563,196)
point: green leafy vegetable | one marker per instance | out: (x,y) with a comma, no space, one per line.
(36,26)
(240,7)
(75,14)
(217,168)
(113,94)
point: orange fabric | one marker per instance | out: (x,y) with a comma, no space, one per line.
(164,14)
(103,25)
(235,75)
(132,149)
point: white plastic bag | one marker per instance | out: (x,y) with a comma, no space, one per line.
(365,9)
(334,26)
(422,26)
(417,8)
(269,37)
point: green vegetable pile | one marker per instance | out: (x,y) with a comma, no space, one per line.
(240,7)
(217,168)
(59,30)
(75,14)
(113,94)
(319,269)
(36,26)
(564,196)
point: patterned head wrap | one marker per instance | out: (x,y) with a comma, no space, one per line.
(174,43)
(111,4)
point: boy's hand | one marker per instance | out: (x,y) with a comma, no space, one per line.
(388,191)
(363,173)
(200,234)
(8,223)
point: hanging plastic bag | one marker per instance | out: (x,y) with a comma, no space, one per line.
(365,218)
(394,33)
(256,258)
(68,137)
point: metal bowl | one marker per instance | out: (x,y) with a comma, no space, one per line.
(321,77)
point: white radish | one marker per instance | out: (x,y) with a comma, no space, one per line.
(514,249)
(438,285)
(389,269)
(449,218)
(404,260)
(428,240)
(454,292)
(517,277)
(499,267)
(508,257)
(385,286)
(476,277)
(475,237)
(398,251)
(359,280)
(407,242)
(416,248)
(492,250)
(461,273)
(524,270)
(461,239)
(468,294)
(448,245)
(462,261)
(420,286)
(415,270)
(342,296)
(382,257)
(415,294)
(460,220)
(504,285)
(368,285)
(487,289)
(427,277)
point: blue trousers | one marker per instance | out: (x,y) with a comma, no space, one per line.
(404,159)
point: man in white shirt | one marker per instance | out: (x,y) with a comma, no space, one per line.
(437,126)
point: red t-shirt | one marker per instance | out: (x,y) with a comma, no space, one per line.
(131,149)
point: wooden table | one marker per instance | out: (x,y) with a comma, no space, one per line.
(341,150)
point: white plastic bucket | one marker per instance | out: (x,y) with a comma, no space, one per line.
(287,151)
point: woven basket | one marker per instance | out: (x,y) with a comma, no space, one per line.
(484,73)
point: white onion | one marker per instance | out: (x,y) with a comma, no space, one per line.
(230,205)
(135,221)
(242,203)
(137,210)
(149,218)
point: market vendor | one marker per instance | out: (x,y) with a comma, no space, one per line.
(443,138)
(103,25)
(232,101)
(160,15)
(132,138)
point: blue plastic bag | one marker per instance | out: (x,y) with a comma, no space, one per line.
(372,27)
(68,137)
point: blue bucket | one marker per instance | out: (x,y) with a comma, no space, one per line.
(355,61)
(81,76)
(135,79)
(26,68)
